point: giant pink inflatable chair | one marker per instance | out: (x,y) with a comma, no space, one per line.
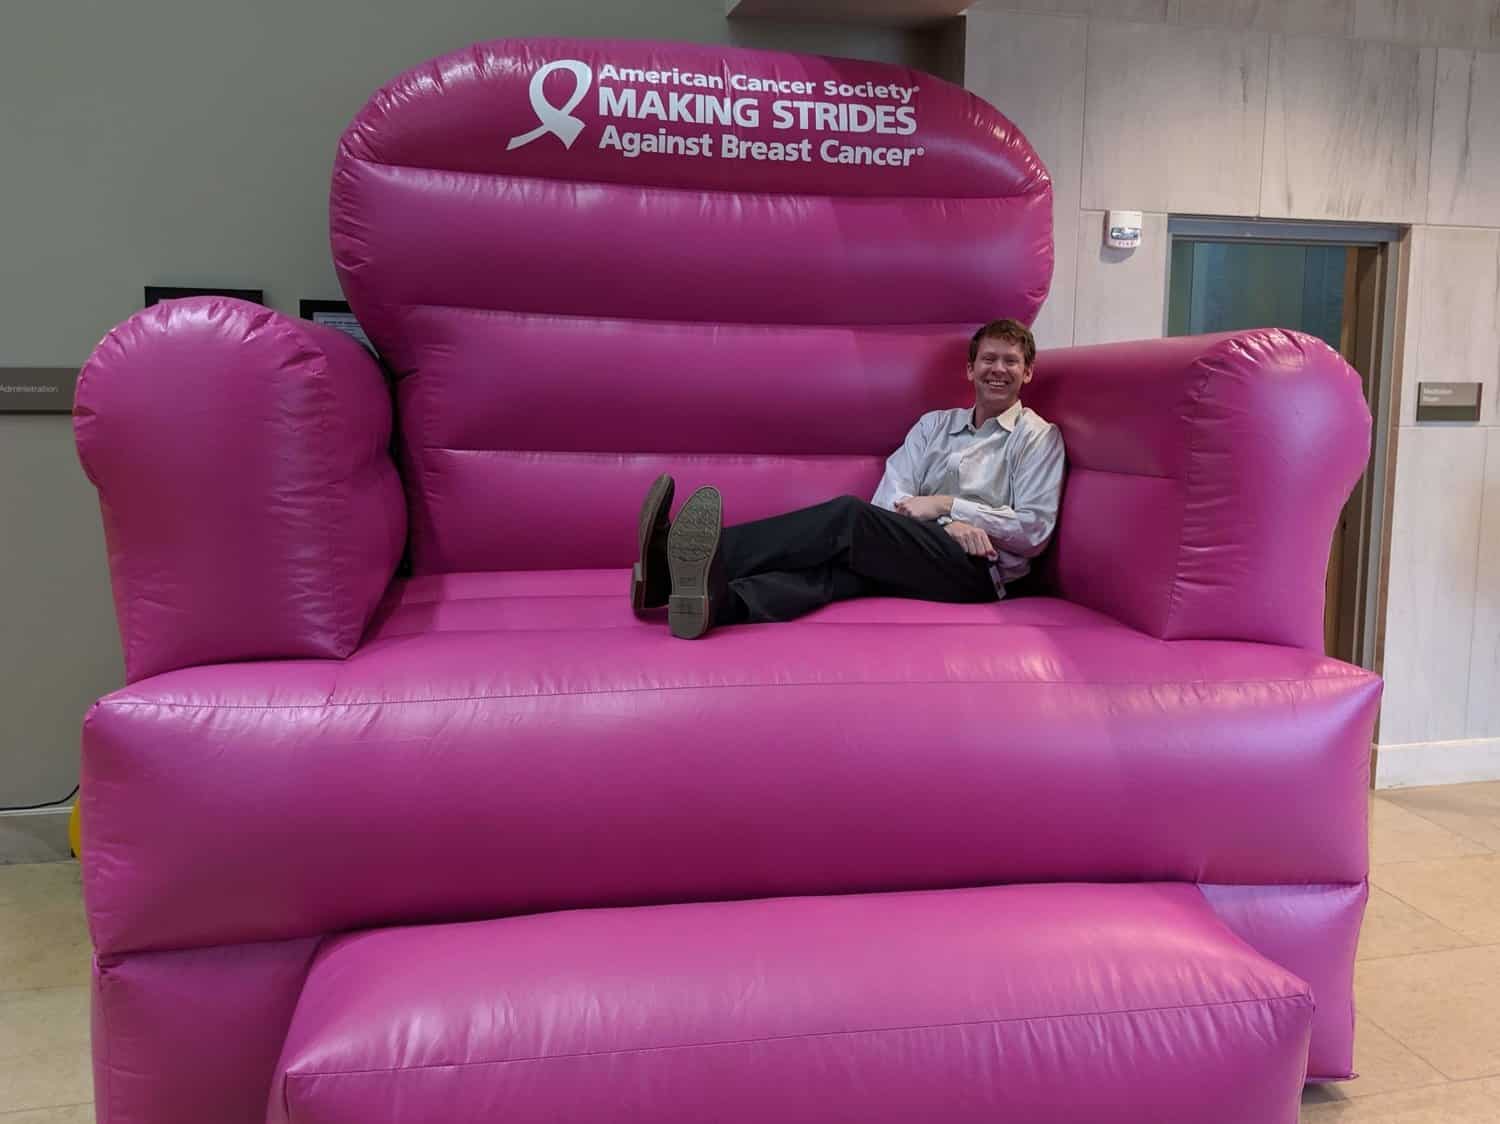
(462,840)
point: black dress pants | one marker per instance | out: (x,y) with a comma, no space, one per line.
(782,567)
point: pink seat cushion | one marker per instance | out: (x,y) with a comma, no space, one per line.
(1027,1005)
(508,743)
(552,599)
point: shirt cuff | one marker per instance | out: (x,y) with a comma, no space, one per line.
(962,511)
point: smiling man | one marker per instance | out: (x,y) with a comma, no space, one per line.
(964,505)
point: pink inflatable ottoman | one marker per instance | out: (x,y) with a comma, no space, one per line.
(404,816)
(1029,1003)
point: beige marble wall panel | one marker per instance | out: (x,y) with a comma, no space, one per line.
(1453,314)
(1484,657)
(1122,294)
(1413,370)
(1174,118)
(1465,179)
(1446,23)
(1053,326)
(1296,17)
(1031,67)
(1348,126)
(1431,600)
(1157,11)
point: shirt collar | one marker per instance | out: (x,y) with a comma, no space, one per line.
(1007,420)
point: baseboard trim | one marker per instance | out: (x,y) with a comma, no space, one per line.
(1423,763)
(39,836)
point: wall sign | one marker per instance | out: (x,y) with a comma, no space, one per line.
(1448,401)
(37,390)
(334,314)
(156,293)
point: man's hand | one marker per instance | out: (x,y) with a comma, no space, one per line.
(925,507)
(972,539)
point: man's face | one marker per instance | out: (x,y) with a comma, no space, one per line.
(998,373)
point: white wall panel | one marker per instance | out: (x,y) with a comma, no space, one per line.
(1453,314)
(1122,294)
(1148,10)
(1449,23)
(1174,118)
(1465,178)
(1030,67)
(1348,130)
(1430,611)
(1484,654)
(1311,17)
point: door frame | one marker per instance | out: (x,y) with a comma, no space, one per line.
(1369,551)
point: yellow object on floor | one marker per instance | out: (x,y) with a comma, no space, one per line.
(75,830)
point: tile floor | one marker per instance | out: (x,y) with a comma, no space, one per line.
(1428,978)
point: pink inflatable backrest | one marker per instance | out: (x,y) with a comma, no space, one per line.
(590,262)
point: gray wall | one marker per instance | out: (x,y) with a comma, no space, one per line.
(1357,110)
(59,649)
(190,144)
(183,143)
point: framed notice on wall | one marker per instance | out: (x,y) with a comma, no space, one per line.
(1448,401)
(37,390)
(334,314)
(155,293)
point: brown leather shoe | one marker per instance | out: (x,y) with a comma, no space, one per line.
(699,589)
(650,582)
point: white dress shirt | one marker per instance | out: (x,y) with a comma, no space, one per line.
(1005,478)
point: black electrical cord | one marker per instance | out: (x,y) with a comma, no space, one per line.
(48,804)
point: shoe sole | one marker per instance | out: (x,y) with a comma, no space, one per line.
(692,546)
(658,497)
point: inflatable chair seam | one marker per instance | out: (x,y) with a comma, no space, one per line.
(1297,999)
(1191,471)
(961,326)
(822,685)
(715,458)
(1036,188)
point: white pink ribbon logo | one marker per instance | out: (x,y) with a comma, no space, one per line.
(554,119)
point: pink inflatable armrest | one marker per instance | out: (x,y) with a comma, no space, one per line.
(251,508)
(1206,475)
